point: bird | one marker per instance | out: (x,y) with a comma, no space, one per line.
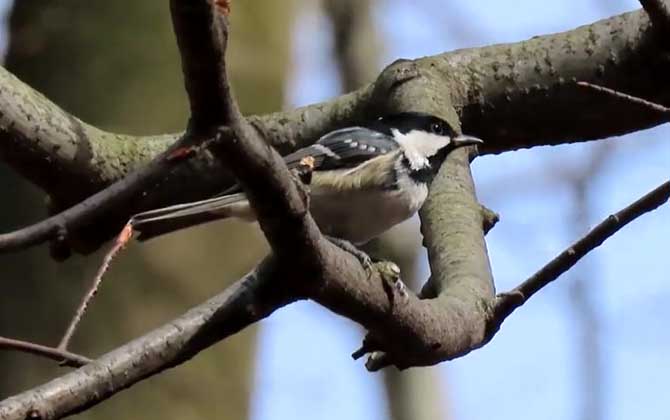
(365,179)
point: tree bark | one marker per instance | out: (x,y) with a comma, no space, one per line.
(115,65)
(494,91)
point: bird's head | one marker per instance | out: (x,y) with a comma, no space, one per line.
(425,139)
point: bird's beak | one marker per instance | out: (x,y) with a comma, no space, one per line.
(464,140)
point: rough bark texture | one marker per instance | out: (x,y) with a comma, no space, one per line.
(494,90)
(470,89)
(115,65)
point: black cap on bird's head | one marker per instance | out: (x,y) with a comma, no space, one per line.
(425,138)
(405,122)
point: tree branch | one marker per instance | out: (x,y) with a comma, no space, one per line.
(65,357)
(247,301)
(491,87)
(250,299)
(659,14)
(451,320)
(507,302)
(202,38)
(620,95)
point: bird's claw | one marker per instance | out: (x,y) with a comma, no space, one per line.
(401,289)
(390,273)
(363,258)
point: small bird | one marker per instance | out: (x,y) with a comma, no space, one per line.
(364,180)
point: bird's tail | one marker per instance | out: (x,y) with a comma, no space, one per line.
(157,222)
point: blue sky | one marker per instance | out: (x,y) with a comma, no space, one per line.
(530,369)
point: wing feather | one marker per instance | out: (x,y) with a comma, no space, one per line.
(342,149)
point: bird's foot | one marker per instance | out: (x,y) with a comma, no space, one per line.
(365,260)
(390,274)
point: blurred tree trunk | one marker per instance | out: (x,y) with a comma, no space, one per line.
(589,364)
(419,393)
(115,64)
(415,394)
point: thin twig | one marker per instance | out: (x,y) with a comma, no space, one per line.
(507,302)
(252,298)
(65,357)
(624,96)
(120,242)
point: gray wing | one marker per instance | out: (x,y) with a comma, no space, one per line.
(338,149)
(344,148)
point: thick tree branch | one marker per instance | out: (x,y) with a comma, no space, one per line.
(493,89)
(659,14)
(250,299)
(202,38)
(322,271)
(456,314)
(120,194)
(281,209)
(209,48)
(452,223)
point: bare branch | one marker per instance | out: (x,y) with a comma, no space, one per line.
(206,103)
(253,298)
(65,357)
(120,242)
(410,331)
(250,299)
(98,205)
(620,95)
(281,209)
(203,50)
(507,302)
(491,88)
(202,36)
(247,301)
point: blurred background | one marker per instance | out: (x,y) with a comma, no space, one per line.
(591,346)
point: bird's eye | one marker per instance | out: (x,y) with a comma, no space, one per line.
(437,128)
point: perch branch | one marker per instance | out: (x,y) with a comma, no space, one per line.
(247,301)
(492,87)
(410,331)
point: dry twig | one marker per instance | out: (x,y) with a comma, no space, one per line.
(624,96)
(66,358)
(507,302)
(119,244)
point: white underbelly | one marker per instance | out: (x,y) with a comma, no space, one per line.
(363,215)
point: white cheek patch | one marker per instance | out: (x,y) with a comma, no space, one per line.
(419,146)
(416,161)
